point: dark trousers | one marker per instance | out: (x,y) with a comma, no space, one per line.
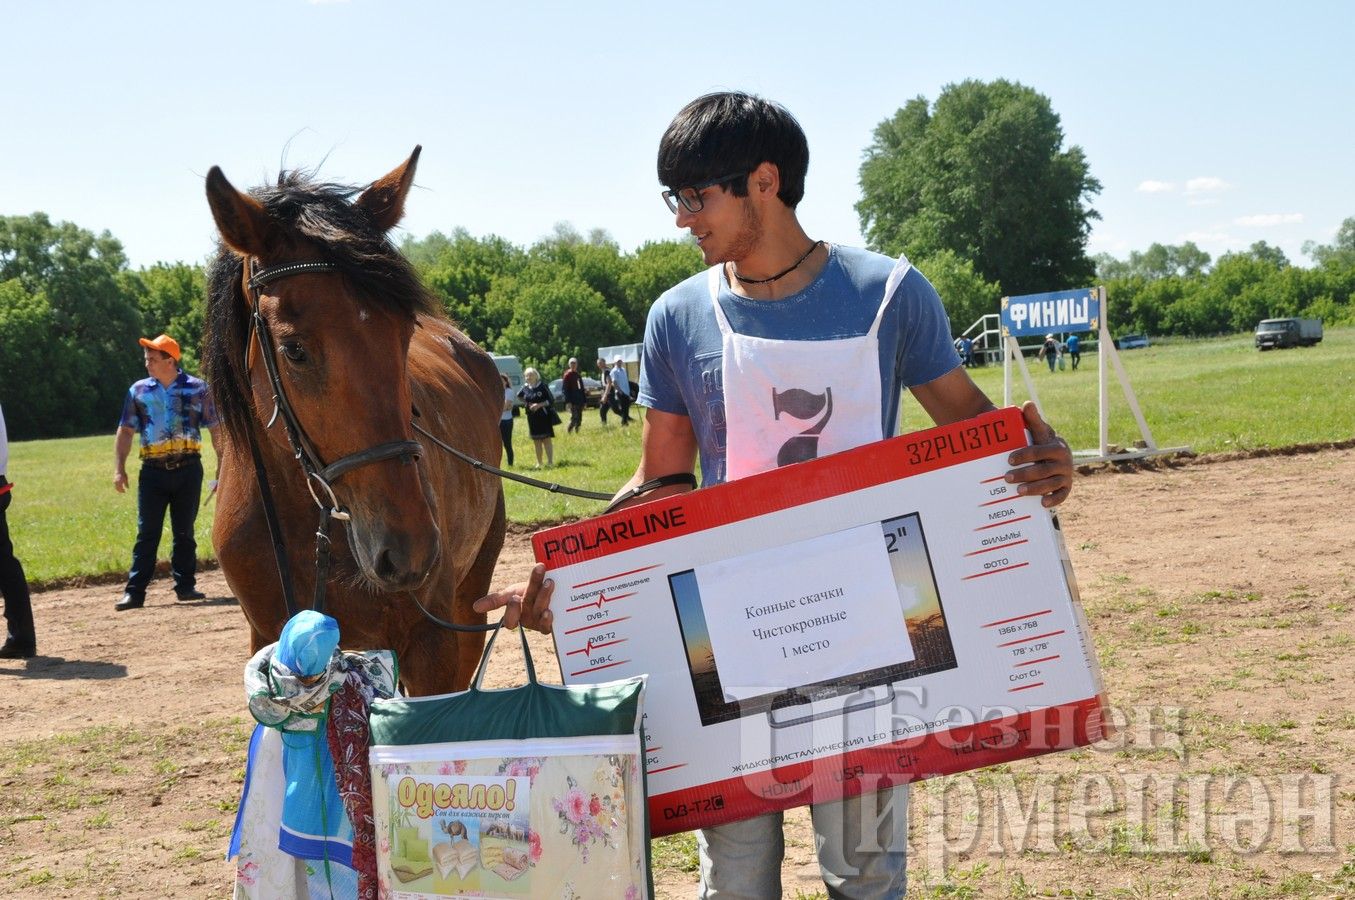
(506,432)
(18,603)
(575,416)
(1077,357)
(180,491)
(621,406)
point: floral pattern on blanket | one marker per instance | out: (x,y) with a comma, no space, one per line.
(575,839)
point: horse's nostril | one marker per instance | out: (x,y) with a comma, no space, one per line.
(387,567)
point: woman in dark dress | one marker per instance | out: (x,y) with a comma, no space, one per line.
(541,415)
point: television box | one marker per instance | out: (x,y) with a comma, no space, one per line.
(840,625)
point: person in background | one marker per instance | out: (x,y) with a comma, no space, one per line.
(506,420)
(1074,350)
(605,401)
(621,391)
(1049,351)
(575,397)
(21,641)
(541,415)
(168,410)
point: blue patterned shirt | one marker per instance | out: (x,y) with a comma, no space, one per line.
(169,419)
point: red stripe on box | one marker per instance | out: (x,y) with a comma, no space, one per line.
(1047,730)
(841,473)
(991,480)
(994,571)
(1043,612)
(1033,661)
(999,547)
(1003,522)
(617,575)
(602,624)
(1036,637)
(1025,687)
(621,662)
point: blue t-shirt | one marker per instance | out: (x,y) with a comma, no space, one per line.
(1073,343)
(681,370)
(169,419)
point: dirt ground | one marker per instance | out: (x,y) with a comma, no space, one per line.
(1220,595)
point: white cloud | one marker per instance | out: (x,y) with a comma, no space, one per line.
(1155,187)
(1108,243)
(1206,185)
(1211,238)
(1268,219)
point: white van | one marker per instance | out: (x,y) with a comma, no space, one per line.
(512,367)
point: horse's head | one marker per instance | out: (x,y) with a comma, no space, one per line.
(331,340)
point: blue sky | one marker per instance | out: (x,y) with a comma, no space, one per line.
(1221,123)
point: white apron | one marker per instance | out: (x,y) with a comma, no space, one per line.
(789,401)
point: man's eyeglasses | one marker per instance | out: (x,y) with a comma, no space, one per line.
(690,197)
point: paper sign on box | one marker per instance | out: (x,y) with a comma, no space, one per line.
(841,625)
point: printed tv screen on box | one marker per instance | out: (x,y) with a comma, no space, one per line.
(841,625)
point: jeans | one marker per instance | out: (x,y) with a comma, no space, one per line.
(575,416)
(180,491)
(862,847)
(13,585)
(506,432)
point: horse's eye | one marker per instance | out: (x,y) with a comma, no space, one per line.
(294,351)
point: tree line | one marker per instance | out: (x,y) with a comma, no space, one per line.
(71,309)
(977,188)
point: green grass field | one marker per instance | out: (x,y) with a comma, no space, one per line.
(1210,395)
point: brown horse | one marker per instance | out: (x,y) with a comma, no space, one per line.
(351,338)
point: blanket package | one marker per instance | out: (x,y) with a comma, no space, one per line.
(534,791)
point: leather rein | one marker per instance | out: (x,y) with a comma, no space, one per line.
(320,474)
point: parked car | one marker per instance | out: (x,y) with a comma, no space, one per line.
(1132,342)
(592,390)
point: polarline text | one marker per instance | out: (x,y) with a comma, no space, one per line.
(592,535)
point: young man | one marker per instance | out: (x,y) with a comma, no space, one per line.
(620,382)
(575,397)
(169,410)
(778,311)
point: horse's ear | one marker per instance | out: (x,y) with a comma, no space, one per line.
(242,221)
(385,199)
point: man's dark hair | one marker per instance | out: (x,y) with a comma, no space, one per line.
(728,132)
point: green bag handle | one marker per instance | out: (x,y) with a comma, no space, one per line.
(489,648)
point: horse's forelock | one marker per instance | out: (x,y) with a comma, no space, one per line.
(321,216)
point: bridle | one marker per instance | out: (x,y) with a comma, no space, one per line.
(319,473)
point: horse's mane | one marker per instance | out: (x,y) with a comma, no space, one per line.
(319,215)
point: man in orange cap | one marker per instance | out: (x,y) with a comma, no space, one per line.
(169,410)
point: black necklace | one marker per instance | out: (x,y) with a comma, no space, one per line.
(782,274)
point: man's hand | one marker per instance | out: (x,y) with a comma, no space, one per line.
(120,482)
(1046,465)
(526,603)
